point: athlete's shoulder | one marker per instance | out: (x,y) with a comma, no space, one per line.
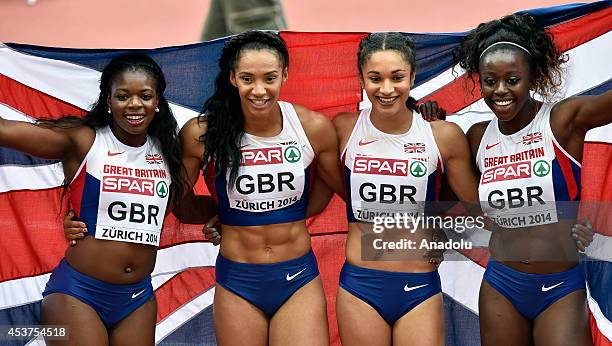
(191,136)
(345,121)
(446,130)
(475,134)
(194,127)
(477,131)
(311,120)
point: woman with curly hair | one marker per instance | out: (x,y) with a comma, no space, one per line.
(533,290)
(105,283)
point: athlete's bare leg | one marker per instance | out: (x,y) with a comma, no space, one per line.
(302,320)
(238,322)
(500,322)
(423,325)
(358,322)
(64,310)
(565,322)
(138,328)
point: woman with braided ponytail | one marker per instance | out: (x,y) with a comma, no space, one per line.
(533,290)
(257,153)
(394,162)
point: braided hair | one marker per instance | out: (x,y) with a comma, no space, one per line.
(223,111)
(544,58)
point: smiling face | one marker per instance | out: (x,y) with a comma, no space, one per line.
(505,82)
(387,78)
(132,101)
(259,76)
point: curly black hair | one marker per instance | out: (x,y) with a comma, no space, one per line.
(544,58)
(163,128)
(396,41)
(223,112)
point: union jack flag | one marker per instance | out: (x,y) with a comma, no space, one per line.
(154,159)
(412,148)
(532,138)
(38,82)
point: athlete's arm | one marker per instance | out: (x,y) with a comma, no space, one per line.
(322,137)
(582,113)
(456,156)
(43,142)
(318,198)
(193,209)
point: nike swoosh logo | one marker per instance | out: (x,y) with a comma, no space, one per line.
(489,146)
(408,289)
(546,289)
(134,295)
(362,142)
(291,277)
(110,153)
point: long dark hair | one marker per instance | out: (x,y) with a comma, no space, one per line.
(544,58)
(222,111)
(380,41)
(163,127)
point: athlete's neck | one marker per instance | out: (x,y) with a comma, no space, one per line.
(397,123)
(522,119)
(264,125)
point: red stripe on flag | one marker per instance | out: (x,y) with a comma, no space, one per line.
(567,35)
(596,204)
(175,233)
(76,191)
(573,33)
(31,245)
(323,61)
(181,289)
(568,174)
(329,250)
(38,105)
(598,338)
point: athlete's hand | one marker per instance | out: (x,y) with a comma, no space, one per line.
(436,256)
(430,111)
(212,230)
(73,229)
(582,233)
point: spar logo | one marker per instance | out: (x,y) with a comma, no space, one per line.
(293,154)
(161,189)
(518,170)
(134,186)
(418,169)
(380,166)
(263,156)
(541,168)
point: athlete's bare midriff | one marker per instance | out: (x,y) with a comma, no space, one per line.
(265,244)
(541,249)
(112,261)
(412,260)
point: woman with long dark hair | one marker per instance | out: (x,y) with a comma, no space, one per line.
(121,162)
(257,154)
